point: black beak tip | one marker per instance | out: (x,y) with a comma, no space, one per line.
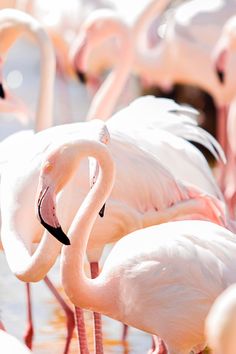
(221,76)
(2,93)
(81,76)
(58,233)
(102,211)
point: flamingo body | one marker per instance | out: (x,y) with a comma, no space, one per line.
(152,278)
(110,293)
(221,322)
(11,344)
(127,210)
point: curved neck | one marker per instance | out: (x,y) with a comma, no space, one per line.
(106,97)
(18,22)
(83,291)
(25,264)
(147,56)
(144,21)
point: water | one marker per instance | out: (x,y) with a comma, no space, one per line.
(49,319)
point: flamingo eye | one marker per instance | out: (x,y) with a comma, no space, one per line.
(47,167)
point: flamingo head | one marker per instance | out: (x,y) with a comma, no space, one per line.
(221,53)
(96,28)
(51,181)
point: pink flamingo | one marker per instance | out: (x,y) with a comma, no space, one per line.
(185,37)
(210,184)
(147,267)
(170,138)
(126,210)
(221,322)
(101,26)
(16,22)
(10,344)
(99,237)
(62,21)
(222,59)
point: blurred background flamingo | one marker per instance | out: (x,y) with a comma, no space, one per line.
(221,322)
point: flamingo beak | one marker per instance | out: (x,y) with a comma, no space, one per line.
(47,216)
(220,65)
(2,92)
(81,77)
(221,76)
(102,211)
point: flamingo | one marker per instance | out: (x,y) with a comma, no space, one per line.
(160,217)
(170,138)
(62,21)
(16,22)
(146,267)
(127,210)
(222,57)
(185,37)
(11,344)
(220,322)
(101,26)
(211,182)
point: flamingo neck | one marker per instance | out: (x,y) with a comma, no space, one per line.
(106,98)
(148,57)
(83,291)
(18,22)
(27,264)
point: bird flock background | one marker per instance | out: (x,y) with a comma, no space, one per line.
(118,176)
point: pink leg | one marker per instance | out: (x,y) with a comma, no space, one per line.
(125,332)
(158,346)
(29,333)
(69,313)
(221,126)
(2,327)
(221,136)
(83,345)
(94,268)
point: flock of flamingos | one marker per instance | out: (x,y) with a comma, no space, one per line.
(126,176)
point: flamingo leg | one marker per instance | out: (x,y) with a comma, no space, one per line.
(79,317)
(94,268)
(2,326)
(221,135)
(125,332)
(158,346)
(69,313)
(222,113)
(29,333)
